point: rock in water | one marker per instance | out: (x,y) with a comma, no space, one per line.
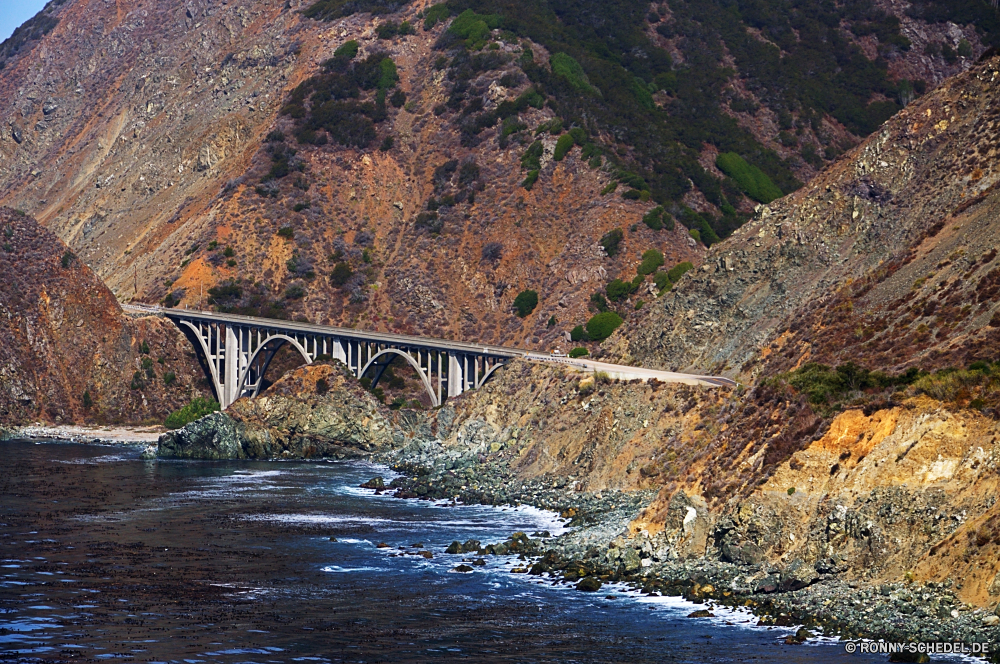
(149,452)
(462,569)
(701,613)
(374,483)
(589,584)
(215,436)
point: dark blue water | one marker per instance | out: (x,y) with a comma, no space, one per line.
(106,557)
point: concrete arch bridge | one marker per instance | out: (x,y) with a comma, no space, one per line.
(238,349)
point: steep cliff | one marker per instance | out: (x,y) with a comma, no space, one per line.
(67,352)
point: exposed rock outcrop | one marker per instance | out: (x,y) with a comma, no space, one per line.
(315,411)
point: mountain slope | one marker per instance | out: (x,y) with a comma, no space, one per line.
(69,354)
(166,144)
(887,259)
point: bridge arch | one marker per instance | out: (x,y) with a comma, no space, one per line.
(216,382)
(488,374)
(413,363)
(263,348)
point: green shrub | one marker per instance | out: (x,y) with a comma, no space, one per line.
(564,65)
(347,50)
(67,258)
(286,232)
(436,14)
(579,351)
(639,304)
(598,301)
(169,378)
(651,260)
(525,302)
(228,252)
(578,334)
(662,281)
(196,409)
(532,158)
(530,180)
(295,292)
(751,179)
(388,77)
(563,146)
(619,290)
(654,218)
(677,271)
(87,401)
(602,325)
(341,274)
(695,234)
(144,348)
(611,241)
(552,322)
(322,387)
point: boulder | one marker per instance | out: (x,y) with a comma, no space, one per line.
(589,584)
(798,575)
(215,436)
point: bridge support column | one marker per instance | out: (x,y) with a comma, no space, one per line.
(231,374)
(337,351)
(456,381)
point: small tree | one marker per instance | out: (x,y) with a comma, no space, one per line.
(525,302)
(578,333)
(87,401)
(579,351)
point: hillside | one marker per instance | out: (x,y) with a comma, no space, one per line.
(69,354)
(181,149)
(887,259)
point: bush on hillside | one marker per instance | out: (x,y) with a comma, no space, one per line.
(579,351)
(601,326)
(677,271)
(611,240)
(751,179)
(619,290)
(651,260)
(198,408)
(578,334)
(563,146)
(525,302)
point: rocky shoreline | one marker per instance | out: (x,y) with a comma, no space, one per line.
(601,549)
(538,436)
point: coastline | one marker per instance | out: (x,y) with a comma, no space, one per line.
(600,549)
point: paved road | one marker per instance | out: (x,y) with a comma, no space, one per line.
(617,371)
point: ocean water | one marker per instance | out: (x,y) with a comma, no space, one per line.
(107,557)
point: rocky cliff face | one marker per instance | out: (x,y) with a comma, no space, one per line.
(887,258)
(68,353)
